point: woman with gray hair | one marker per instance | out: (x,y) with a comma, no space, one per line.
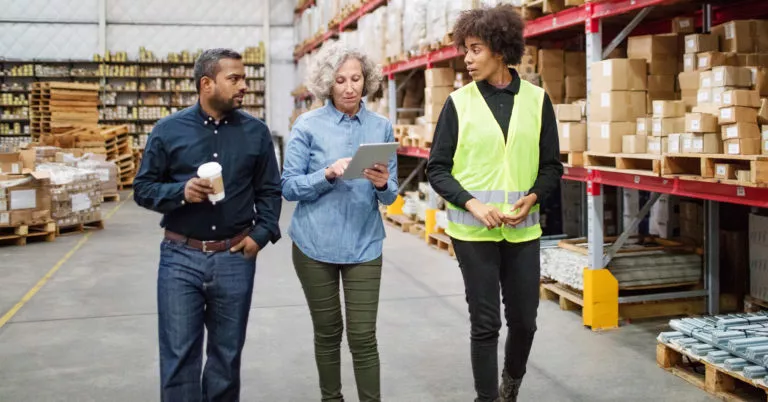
(337,230)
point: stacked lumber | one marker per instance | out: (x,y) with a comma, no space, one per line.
(57,106)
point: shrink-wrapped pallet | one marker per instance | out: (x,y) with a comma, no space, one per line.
(437,23)
(415,25)
(454,9)
(394,23)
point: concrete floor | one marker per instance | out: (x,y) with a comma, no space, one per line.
(90,332)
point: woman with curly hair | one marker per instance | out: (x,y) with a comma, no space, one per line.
(495,157)
(337,230)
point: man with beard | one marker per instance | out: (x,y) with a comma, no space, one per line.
(208,254)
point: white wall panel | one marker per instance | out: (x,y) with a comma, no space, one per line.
(49,10)
(235,12)
(162,39)
(48,41)
(281,12)
(281,43)
(282,79)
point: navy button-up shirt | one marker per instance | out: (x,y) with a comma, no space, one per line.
(242,144)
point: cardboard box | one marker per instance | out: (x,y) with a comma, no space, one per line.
(700,123)
(674,144)
(765,146)
(11,163)
(741,97)
(738,36)
(752,59)
(551,67)
(661,65)
(742,146)
(439,77)
(555,90)
(568,112)
(619,75)
(709,60)
(576,64)
(702,144)
(437,95)
(668,109)
(634,144)
(663,127)
(649,47)
(704,96)
(744,176)
(740,130)
(656,145)
(699,43)
(617,106)
(691,212)
(661,83)
(690,98)
(760,80)
(731,76)
(608,137)
(737,114)
(573,137)
(762,114)
(432,112)
(705,79)
(576,86)
(758,256)
(644,125)
(683,25)
(690,63)
(717,95)
(725,171)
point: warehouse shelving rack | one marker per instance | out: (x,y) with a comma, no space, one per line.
(593,20)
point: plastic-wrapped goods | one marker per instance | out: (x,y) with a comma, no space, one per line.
(454,9)
(415,25)
(379,34)
(437,23)
(394,25)
(106,171)
(75,194)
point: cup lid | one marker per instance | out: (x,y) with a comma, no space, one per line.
(209,169)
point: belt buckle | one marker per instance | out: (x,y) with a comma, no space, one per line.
(205,246)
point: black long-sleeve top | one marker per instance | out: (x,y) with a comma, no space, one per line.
(500,101)
(243,146)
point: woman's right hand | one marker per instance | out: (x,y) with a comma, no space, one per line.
(337,168)
(489,215)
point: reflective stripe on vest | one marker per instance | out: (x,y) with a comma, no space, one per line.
(497,169)
(466,218)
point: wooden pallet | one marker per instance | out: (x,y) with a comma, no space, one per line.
(713,378)
(417,229)
(636,164)
(400,221)
(410,141)
(546,6)
(23,234)
(572,159)
(424,143)
(441,241)
(753,304)
(572,299)
(79,228)
(110,198)
(701,167)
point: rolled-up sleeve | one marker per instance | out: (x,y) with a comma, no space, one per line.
(298,184)
(151,190)
(389,195)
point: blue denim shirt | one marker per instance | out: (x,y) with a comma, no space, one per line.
(335,222)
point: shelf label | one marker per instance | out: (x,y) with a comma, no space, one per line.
(641,125)
(703,61)
(566,171)
(721,170)
(733,131)
(727,99)
(726,113)
(690,44)
(695,124)
(733,149)
(741,192)
(637,179)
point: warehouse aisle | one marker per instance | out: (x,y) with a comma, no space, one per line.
(90,333)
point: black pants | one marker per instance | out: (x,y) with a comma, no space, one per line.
(515,268)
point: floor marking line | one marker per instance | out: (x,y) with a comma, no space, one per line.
(39,285)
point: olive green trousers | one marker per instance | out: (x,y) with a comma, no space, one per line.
(361,282)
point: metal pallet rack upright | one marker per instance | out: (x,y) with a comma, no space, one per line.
(601,296)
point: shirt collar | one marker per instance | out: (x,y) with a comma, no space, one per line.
(513,88)
(206,119)
(338,116)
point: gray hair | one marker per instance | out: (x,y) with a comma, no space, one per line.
(207,65)
(330,57)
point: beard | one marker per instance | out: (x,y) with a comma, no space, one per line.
(225,104)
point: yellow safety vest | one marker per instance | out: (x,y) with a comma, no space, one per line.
(496,173)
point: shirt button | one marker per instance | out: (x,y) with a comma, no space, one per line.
(225,122)
(205,122)
(215,131)
(215,155)
(213,227)
(183,202)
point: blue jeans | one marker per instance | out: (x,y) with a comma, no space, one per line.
(196,290)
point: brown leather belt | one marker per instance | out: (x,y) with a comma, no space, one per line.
(207,246)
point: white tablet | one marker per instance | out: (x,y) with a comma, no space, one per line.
(368,155)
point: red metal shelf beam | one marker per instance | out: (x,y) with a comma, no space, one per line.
(414,152)
(316,43)
(425,60)
(554,22)
(366,8)
(300,10)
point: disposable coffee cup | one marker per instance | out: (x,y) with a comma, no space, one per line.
(212,172)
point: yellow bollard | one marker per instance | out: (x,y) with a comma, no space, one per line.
(430,224)
(601,299)
(397,207)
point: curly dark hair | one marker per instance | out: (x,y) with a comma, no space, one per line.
(500,27)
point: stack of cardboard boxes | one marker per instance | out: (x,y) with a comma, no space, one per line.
(571,128)
(618,99)
(661,55)
(575,76)
(668,124)
(75,194)
(552,72)
(24,194)
(439,83)
(692,222)
(527,66)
